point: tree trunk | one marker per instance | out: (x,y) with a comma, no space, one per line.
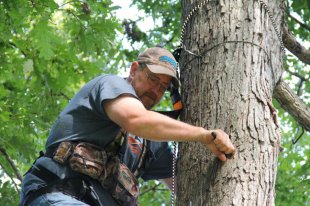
(229,85)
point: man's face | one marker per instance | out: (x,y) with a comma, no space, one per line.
(149,86)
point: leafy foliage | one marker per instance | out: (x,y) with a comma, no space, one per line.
(167,31)
(154,193)
(48,49)
(293,162)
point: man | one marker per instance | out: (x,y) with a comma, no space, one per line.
(95,116)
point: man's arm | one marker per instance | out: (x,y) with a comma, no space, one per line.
(130,114)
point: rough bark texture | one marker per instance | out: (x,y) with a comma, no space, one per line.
(293,104)
(295,47)
(230,86)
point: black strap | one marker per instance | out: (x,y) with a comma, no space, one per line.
(43,173)
(41,154)
(173,114)
(176,101)
(177,53)
(76,188)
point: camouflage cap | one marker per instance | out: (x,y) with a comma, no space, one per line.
(160,61)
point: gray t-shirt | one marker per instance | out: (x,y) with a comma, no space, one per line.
(84,119)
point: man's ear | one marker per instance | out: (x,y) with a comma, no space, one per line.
(133,68)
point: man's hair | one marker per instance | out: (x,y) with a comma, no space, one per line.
(142,66)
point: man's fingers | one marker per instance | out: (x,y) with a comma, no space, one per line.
(223,144)
(213,135)
(222,157)
(217,152)
(229,156)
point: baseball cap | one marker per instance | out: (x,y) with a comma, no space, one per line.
(160,61)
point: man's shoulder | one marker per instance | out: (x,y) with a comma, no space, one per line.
(108,77)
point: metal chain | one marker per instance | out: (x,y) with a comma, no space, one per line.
(188,18)
(174,160)
(206,1)
(273,23)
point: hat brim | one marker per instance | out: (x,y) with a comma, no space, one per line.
(158,69)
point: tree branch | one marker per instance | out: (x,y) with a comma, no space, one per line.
(299,90)
(75,16)
(292,104)
(152,189)
(65,96)
(23,52)
(305,26)
(12,179)
(297,75)
(8,158)
(294,46)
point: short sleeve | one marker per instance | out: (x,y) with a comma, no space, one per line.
(158,163)
(84,118)
(109,87)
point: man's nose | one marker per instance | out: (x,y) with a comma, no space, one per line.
(157,90)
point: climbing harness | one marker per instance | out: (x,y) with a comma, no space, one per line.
(177,53)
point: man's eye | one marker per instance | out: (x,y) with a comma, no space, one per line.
(154,80)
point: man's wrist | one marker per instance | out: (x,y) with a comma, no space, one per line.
(205,137)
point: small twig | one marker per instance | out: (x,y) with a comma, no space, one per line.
(8,174)
(69,3)
(297,75)
(151,189)
(77,18)
(8,158)
(64,95)
(299,91)
(23,52)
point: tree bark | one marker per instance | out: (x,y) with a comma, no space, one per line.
(229,85)
(292,104)
(291,43)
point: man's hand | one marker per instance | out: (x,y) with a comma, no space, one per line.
(218,142)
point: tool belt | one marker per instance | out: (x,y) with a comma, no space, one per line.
(91,160)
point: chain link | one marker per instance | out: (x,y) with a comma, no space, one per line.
(173,173)
(273,23)
(206,1)
(188,18)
